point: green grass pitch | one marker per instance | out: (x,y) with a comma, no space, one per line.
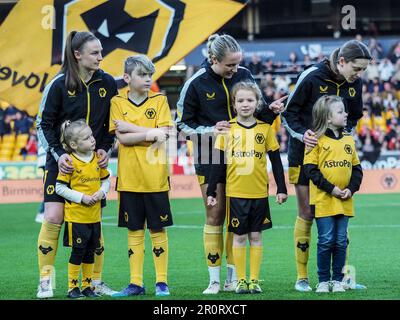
(374,251)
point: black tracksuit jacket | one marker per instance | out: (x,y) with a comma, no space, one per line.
(315,81)
(92,104)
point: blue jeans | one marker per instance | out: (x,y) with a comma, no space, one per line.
(332,244)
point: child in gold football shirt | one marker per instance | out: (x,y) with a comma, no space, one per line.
(83,190)
(140,120)
(335,172)
(245,147)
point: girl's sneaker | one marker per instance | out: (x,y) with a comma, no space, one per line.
(242,287)
(337,286)
(323,287)
(254,286)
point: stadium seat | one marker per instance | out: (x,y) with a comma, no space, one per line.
(22,139)
(17,158)
(8,138)
(31,157)
(6,152)
(4,158)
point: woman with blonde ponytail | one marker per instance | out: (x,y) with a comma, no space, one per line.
(204,108)
(80,90)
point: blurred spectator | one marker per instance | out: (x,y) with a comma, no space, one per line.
(371,146)
(10,111)
(390,102)
(255,66)
(365,123)
(268,66)
(392,137)
(293,63)
(394,54)
(375,82)
(22,123)
(375,48)
(359,37)
(371,72)
(7,124)
(307,61)
(2,124)
(268,94)
(31,147)
(396,76)
(282,83)
(267,80)
(386,70)
(377,103)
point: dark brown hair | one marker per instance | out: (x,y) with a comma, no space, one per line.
(75,42)
(350,51)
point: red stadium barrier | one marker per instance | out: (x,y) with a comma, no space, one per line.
(20,191)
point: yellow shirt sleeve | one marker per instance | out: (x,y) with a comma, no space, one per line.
(164,118)
(115,114)
(104,173)
(221,142)
(271,143)
(311,156)
(66,178)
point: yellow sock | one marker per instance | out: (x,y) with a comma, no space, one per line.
(160,254)
(98,260)
(87,275)
(47,247)
(302,242)
(239,255)
(228,247)
(136,256)
(213,244)
(256,254)
(73,275)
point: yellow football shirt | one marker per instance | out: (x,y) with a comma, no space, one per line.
(335,159)
(142,168)
(86,178)
(246,149)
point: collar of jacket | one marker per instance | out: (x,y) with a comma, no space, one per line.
(327,69)
(97,75)
(329,133)
(211,72)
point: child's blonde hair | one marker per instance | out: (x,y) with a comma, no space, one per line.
(70,131)
(321,113)
(249,86)
(141,62)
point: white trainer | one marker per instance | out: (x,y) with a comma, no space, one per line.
(337,286)
(101,288)
(39,217)
(230,286)
(45,289)
(213,288)
(323,287)
(303,285)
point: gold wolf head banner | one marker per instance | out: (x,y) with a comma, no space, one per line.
(33,35)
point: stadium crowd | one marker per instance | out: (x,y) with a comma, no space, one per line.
(377,131)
